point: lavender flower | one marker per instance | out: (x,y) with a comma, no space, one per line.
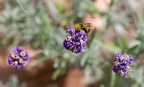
(18,58)
(121,64)
(76,42)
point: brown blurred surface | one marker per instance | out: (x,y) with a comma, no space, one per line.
(39,76)
(35,77)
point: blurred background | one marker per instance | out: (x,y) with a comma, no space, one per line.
(39,27)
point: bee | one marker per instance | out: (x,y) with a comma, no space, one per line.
(83,26)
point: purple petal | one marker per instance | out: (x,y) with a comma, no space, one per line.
(131,60)
(20,59)
(115,69)
(126,74)
(68,44)
(71,31)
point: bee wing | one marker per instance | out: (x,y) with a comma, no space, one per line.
(88,24)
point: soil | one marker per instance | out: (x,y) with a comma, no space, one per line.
(39,76)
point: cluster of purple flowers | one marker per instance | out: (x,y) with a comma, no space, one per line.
(122,64)
(18,58)
(76,41)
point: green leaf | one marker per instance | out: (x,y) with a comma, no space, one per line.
(90,40)
(122,43)
(57,73)
(13,81)
(109,46)
(133,49)
(83,60)
(113,78)
(39,61)
(87,73)
(135,85)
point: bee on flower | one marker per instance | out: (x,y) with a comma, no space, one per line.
(83,26)
(76,41)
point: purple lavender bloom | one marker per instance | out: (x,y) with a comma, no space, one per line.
(68,43)
(131,59)
(18,58)
(71,31)
(122,64)
(82,35)
(76,42)
(79,47)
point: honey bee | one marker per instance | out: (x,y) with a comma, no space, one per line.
(83,26)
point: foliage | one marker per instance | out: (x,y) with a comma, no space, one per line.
(42,24)
(13,82)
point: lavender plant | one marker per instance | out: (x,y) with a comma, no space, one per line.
(122,64)
(18,58)
(41,24)
(76,42)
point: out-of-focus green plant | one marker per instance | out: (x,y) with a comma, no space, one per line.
(13,82)
(41,24)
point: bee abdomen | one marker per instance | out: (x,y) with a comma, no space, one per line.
(87,29)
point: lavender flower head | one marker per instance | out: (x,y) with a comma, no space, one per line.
(18,58)
(76,41)
(122,64)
